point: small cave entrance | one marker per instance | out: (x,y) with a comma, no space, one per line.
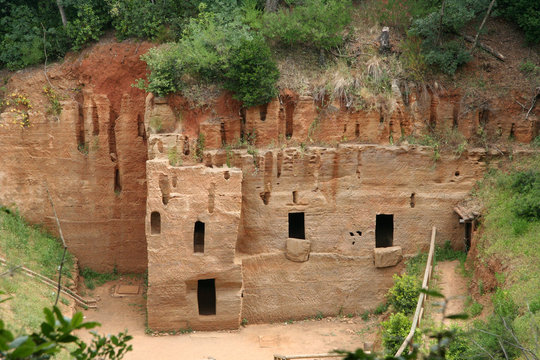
(297,226)
(384,230)
(155,223)
(263,110)
(468,235)
(198,237)
(117,183)
(206,296)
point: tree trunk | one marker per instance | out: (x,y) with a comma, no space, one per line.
(62,13)
(271,5)
(482,25)
(384,40)
(440,24)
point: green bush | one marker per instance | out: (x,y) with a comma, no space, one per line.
(459,346)
(496,333)
(87,26)
(395,330)
(446,253)
(317,23)
(381,308)
(22,36)
(525,13)
(136,18)
(403,296)
(448,57)
(439,49)
(252,73)
(526,187)
(214,49)
(164,76)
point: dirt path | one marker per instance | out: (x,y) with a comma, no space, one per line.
(249,343)
(453,286)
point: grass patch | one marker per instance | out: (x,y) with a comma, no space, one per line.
(509,233)
(472,307)
(93,279)
(31,246)
(22,244)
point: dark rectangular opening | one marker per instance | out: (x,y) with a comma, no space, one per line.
(198,237)
(296,225)
(468,235)
(155,223)
(384,230)
(117,183)
(206,296)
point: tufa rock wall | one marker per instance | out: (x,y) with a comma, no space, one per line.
(187,204)
(339,191)
(91,157)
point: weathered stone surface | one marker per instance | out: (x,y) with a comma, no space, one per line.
(388,256)
(91,157)
(196,193)
(116,209)
(276,289)
(298,250)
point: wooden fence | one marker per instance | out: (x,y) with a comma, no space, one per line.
(89,303)
(311,356)
(422,298)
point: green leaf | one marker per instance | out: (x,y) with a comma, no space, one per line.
(68,338)
(77,320)
(49,316)
(432,293)
(46,329)
(18,341)
(59,316)
(24,350)
(458,316)
(90,325)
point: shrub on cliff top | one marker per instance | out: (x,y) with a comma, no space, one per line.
(317,23)
(214,49)
(252,73)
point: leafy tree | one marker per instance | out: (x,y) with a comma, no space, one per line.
(88,25)
(164,76)
(525,13)
(438,31)
(56,334)
(218,48)
(252,73)
(24,28)
(317,23)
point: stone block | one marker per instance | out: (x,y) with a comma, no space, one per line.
(298,250)
(387,256)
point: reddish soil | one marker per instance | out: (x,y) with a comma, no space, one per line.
(251,342)
(112,68)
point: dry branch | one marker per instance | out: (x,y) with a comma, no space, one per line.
(485,47)
(483,23)
(533,102)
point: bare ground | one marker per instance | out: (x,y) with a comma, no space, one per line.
(454,287)
(251,342)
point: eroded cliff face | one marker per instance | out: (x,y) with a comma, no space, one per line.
(91,157)
(310,223)
(315,215)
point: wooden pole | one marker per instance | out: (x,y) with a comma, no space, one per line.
(61,267)
(482,24)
